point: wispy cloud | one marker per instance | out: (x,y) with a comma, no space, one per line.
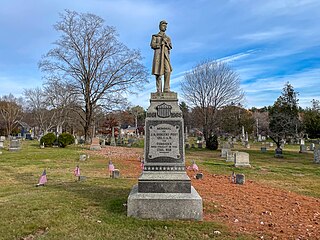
(272,34)
(237,56)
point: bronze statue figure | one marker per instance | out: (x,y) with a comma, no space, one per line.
(161,44)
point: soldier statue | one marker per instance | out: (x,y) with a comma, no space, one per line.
(161,44)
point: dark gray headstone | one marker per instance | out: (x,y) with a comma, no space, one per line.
(199,176)
(240,179)
(263,149)
(278,153)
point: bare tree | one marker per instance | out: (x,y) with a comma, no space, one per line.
(91,60)
(209,86)
(60,99)
(11,112)
(38,106)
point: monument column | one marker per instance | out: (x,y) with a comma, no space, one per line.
(164,189)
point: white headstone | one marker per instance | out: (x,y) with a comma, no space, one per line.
(303,149)
(259,138)
(242,159)
(225,151)
(301,141)
(312,146)
(230,156)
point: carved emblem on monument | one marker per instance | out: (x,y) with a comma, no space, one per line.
(163,110)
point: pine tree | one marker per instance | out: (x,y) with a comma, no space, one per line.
(284,116)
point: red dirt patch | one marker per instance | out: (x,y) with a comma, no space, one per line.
(252,208)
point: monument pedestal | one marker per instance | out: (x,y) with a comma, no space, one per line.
(165,205)
(164,189)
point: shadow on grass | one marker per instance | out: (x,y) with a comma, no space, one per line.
(110,198)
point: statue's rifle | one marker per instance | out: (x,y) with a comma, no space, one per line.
(162,54)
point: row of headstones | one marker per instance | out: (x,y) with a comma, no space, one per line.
(240,159)
(95,144)
(199,145)
(304,148)
(316,152)
(14,144)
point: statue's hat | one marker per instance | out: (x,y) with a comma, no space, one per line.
(163,22)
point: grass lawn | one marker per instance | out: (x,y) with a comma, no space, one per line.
(94,209)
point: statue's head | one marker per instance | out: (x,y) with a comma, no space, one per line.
(163,25)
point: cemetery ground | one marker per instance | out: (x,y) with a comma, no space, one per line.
(279,200)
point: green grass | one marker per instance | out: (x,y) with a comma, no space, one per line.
(66,209)
(94,209)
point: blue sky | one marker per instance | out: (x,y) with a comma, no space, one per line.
(268,42)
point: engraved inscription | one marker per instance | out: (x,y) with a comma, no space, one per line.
(164,141)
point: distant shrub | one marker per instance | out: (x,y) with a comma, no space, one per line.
(65,139)
(48,139)
(212,142)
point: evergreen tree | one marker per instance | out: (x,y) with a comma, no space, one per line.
(284,116)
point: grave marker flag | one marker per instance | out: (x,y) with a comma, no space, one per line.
(76,172)
(195,167)
(43,179)
(111,168)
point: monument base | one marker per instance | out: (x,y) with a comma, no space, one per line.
(14,149)
(187,206)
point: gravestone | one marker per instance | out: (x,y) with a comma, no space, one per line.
(116,173)
(271,144)
(14,145)
(224,152)
(302,141)
(316,155)
(199,176)
(76,141)
(200,145)
(1,144)
(164,189)
(303,149)
(113,140)
(247,145)
(312,146)
(95,144)
(240,179)
(241,159)
(83,157)
(2,138)
(278,153)
(103,143)
(192,145)
(226,145)
(242,133)
(263,149)
(230,156)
